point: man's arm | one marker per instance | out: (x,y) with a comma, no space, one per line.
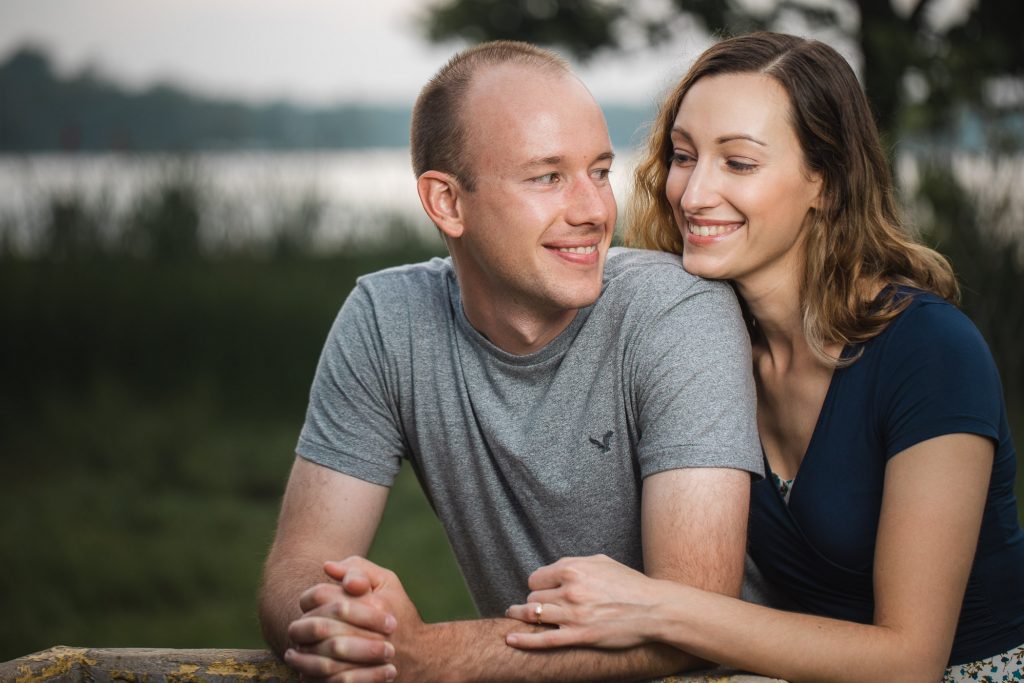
(325,515)
(694,531)
(695,527)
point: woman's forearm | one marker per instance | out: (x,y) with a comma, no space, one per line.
(792,646)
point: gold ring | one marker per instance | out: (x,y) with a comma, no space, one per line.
(538,612)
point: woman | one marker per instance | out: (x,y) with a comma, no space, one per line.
(888,517)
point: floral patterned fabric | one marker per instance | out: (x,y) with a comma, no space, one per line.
(783,485)
(1008,666)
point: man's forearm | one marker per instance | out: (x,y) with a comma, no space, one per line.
(476,651)
(283,582)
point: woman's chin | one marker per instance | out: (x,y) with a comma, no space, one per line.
(703,267)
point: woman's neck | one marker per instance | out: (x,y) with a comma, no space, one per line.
(775,305)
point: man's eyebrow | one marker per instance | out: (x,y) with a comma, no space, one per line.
(543,161)
(557,159)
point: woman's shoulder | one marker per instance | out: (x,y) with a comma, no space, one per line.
(930,372)
(930,323)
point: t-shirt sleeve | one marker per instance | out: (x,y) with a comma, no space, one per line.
(694,391)
(351,425)
(936,377)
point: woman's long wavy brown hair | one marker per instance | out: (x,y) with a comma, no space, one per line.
(857,239)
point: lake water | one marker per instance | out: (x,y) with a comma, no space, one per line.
(244,195)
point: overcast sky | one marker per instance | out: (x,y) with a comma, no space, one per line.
(312,51)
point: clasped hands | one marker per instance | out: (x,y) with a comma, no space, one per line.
(352,626)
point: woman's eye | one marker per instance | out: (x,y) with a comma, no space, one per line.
(682,158)
(602,173)
(740,166)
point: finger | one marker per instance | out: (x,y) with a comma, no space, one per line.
(313,665)
(545,640)
(352,650)
(523,613)
(550,614)
(360,570)
(311,630)
(357,582)
(320,594)
(375,674)
(358,613)
(550,576)
(553,596)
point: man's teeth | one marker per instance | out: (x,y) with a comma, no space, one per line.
(579,250)
(710,230)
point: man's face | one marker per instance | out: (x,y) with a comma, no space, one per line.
(538,225)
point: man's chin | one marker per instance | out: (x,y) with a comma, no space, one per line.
(580,297)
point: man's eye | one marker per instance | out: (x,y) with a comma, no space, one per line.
(547,179)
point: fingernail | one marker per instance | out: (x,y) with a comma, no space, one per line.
(390,623)
(511,639)
(389,650)
(289,653)
(389,673)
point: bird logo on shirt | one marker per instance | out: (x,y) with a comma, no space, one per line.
(603,443)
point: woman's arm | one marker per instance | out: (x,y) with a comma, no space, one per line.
(931,514)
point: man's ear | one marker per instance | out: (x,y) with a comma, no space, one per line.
(440,193)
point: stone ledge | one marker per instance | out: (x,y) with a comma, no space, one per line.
(138,665)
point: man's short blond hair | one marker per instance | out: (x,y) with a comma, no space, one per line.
(438,134)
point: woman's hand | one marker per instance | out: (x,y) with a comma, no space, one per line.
(594,601)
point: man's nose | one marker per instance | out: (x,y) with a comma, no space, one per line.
(588,202)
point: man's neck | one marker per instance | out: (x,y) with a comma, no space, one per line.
(515,327)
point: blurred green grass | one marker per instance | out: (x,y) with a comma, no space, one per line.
(148,418)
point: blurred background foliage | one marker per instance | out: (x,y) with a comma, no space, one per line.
(155,372)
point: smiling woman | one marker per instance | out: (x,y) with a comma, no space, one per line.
(737,181)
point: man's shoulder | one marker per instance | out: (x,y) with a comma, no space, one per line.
(655,275)
(394,298)
(432,273)
(398,288)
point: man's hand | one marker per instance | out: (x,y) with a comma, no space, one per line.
(342,635)
(382,587)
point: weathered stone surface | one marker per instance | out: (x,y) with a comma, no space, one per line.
(130,665)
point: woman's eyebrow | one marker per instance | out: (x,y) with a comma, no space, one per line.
(739,136)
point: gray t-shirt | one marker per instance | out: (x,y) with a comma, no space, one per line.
(527,459)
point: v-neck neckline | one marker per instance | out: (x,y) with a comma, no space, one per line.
(826,406)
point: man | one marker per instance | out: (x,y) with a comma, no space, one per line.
(551,404)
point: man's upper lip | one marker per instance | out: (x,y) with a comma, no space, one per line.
(569,244)
(694,220)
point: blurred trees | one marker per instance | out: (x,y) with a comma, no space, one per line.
(908,57)
(45,111)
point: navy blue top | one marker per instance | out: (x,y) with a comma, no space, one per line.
(929,373)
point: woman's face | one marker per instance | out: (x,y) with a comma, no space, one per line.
(737,182)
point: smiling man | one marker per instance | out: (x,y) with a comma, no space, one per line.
(553,397)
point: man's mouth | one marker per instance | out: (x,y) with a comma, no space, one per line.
(578,250)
